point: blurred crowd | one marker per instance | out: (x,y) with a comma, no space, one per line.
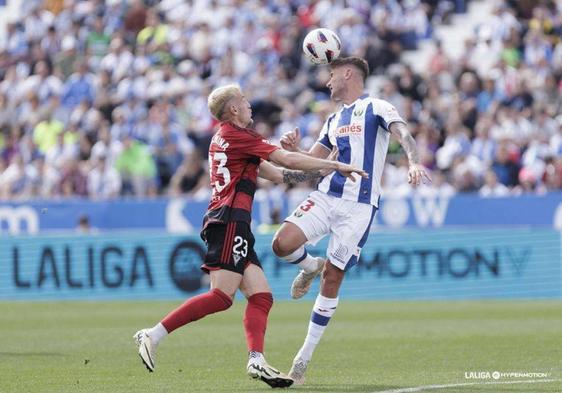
(489,122)
(108,98)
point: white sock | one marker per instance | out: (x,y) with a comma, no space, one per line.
(303,259)
(322,311)
(157,333)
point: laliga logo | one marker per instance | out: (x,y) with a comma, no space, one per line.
(184,264)
(15,220)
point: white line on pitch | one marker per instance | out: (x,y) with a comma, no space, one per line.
(459,385)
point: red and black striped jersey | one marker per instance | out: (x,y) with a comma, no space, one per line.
(234,157)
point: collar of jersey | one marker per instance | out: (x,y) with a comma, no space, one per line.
(232,125)
(362,97)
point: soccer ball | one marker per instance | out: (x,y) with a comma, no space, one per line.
(321,46)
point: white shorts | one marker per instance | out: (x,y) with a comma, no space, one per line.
(348,222)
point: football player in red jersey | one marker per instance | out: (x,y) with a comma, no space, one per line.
(237,156)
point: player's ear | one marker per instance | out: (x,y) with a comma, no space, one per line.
(232,108)
(348,73)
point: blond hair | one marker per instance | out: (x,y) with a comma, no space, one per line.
(219,97)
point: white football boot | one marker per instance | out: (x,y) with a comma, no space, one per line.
(297,370)
(303,281)
(259,369)
(147,349)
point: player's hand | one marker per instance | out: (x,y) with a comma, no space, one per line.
(348,171)
(332,157)
(417,174)
(290,140)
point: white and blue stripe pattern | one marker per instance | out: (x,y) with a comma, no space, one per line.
(355,258)
(320,319)
(360,132)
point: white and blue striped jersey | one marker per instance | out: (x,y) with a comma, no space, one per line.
(361,134)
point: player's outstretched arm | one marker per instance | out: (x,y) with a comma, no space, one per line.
(292,160)
(279,175)
(416,172)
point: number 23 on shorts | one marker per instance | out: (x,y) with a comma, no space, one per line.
(240,246)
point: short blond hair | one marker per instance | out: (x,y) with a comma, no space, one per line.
(219,97)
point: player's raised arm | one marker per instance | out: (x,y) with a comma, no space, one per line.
(416,172)
(290,141)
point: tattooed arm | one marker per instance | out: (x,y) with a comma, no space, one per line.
(278,175)
(416,172)
(292,177)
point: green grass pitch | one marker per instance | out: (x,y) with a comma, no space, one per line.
(368,347)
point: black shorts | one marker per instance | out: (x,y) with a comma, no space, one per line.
(230,246)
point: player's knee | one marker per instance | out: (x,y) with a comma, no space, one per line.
(281,247)
(224,298)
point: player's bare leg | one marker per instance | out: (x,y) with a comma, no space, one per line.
(223,287)
(324,308)
(256,289)
(288,238)
(288,244)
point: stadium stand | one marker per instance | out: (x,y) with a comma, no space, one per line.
(104,99)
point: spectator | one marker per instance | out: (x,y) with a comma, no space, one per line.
(136,168)
(104,181)
(43,83)
(189,178)
(84,227)
(491,187)
(484,147)
(553,173)
(505,166)
(528,183)
(98,40)
(79,87)
(135,18)
(72,181)
(106,147)
(167,154)
(13,179)
(66,59)
(155,31)
(118,61)
(10,148)
(30,113)
(61,152)
(487,96)
(46,132)
(51,43)
(45,179)
(457,144)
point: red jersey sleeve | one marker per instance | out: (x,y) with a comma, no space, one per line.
(253,144)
